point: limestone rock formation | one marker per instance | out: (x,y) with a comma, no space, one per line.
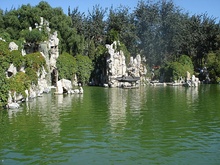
(116,66)
(136,68)
(13,46)
(65,86)
(53,46)
(12,70)
(50,51)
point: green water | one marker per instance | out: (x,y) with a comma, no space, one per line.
(150,125)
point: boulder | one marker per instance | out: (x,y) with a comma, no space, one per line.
(12,70)
(59,88)
(13,46)
(13,105)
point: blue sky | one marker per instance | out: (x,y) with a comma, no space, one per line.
(211,7)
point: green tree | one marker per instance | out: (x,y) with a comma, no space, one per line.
(95,25)
(84,68)
(1,19)
(121,27)
(158,29)
(16,58)
(99,63)
(187,63)
(3,88)
(34,63)
(75,43)
(173,71)
(4,53)
(78,21)
(19,83)
(33,36)
(213,66)
(66,65)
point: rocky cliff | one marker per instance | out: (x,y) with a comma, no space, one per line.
(117,68)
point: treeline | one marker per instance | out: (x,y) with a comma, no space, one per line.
(161,32)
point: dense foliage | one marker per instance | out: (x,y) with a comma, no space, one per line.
(66,65)
(3,88)
(173,71)
(4,64)
(160,31)
(20,82)
(84,68)
(213,66)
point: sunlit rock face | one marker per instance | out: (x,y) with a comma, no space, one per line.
(49,49)
(13,46)
(116,65)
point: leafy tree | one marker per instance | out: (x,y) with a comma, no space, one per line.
(19,83)
(33,36)
(16,58)
(75,43)
(66,65)
(3,88)
(213,66)
(1,19)
(121,27)
(173,71)
(84,68)
(4,53)
(91,50)
(35,61)
(112,36)
(5,36)
(158,29)
(99,63)
(187,63)
(200,37)
(78,21)
(32,74)
(95,25)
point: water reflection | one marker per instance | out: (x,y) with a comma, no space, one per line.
(150,125)
(117,108)
(13,113)
(47,111)
(123,103)
(192,95)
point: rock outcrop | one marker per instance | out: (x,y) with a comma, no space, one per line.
(65,86)
(13,46)
(50,51)
(116,66)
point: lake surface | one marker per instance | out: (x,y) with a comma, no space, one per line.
(150,125)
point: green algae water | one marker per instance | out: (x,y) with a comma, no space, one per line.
(149,125)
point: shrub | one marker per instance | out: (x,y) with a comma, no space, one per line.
(175,70)
(16,58)
(213,66)
(33,36)
(3,88)
(84,68)
(187,63)
(32,74)
(66,65)
(35,61)
(4,48)
(19,83)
